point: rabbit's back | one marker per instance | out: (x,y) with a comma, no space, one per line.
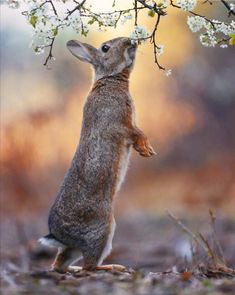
(84,203)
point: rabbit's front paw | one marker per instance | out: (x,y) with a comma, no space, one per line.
(143,147)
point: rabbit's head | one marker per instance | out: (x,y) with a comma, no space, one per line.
(110,59)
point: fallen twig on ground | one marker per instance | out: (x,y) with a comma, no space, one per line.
(215,264)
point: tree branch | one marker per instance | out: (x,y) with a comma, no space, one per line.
(75,8)
(154,7)
(193,13)
(136,13)
(50,55)
(53,6)
(230,11)
(160,12)
(153,40)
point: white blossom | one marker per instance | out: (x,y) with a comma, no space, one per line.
(39,50)
(208,40)
(160,49)
(12,3)
(102,29)
(139,33)
(125,17)
(164,3)
(74,21)
(213,30)
(226,29)
(196,23)
(187,5)
(46,23)
(108,19)
(168,72)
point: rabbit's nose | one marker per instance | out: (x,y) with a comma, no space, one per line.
(131,43)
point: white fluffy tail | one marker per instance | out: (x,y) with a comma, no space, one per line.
(50,241)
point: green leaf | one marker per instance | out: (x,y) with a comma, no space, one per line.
(151,13)
(33,20)
(232,39)
(91,21)
(55,31)
(84,33)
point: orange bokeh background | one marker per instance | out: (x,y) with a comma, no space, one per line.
(189,118)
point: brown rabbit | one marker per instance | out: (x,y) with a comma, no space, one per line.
(81,221)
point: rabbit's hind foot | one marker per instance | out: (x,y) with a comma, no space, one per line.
(107,267)
(64,258)
(111,267)
(75,269)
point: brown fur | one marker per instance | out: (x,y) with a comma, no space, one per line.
(82,215)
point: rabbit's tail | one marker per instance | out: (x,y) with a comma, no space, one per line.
(50,241)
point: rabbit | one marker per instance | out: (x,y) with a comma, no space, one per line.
(81,221)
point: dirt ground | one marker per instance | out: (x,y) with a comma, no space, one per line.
(156,252)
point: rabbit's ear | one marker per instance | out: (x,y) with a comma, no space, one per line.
(83,51)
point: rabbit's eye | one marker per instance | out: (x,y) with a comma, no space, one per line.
(105,48)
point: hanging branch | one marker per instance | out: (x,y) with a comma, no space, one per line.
(153,41)
(50,55)
(53,6)
(215,32)
(87,13)
(230,11)
(160,12)
(136,13)
(194,13)
(78,7)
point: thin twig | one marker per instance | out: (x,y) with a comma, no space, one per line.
(152,37)
(210,252)
(34,9)
(70,12)
(53,7)
(153,40)
(230,11)
(207,1)
(154,7)
(158,9)
(136,13)
(194,13)
(215,237)
(77,7)
(50,55)
(186,230)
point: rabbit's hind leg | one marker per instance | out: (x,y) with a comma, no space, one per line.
(64,258)
(93,258)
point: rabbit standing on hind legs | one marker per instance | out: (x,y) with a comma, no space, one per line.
(81,221)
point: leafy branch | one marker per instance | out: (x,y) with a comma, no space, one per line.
(47,22)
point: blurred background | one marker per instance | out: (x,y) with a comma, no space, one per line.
(189,118)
